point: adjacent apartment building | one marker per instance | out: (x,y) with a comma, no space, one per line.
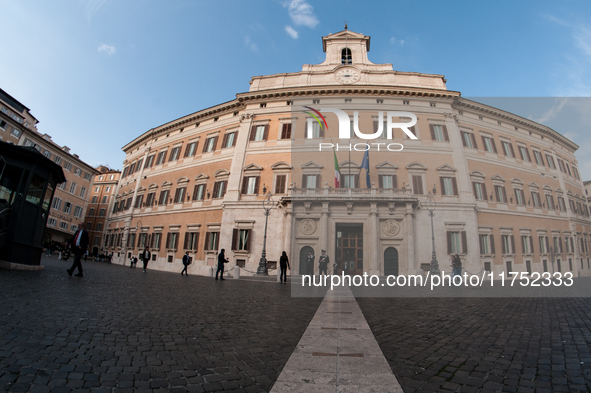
(68,208)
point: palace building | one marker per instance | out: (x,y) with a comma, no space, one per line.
(507,192)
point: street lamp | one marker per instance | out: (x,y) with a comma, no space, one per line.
(267,206)
(430,206)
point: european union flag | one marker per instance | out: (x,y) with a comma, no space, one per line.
(365,165)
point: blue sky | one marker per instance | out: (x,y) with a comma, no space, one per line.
(98,73)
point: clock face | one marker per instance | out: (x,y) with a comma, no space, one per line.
(347,76)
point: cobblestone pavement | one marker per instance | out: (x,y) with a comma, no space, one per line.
(119,330)
(484,345)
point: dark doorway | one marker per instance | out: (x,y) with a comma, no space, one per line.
(349,248)
(391,262)
(304,259)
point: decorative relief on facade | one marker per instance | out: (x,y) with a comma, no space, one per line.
(308,227)
(390,228)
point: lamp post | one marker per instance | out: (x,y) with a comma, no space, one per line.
(267,206)
(430,206)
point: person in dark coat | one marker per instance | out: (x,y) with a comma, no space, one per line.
(283,265)
(323,262)
(78,244)
(186,262)
(221,260)
(310,263)
(145,256)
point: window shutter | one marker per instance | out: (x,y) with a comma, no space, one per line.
(248,240)
(244,185)
(176,242)
(216,186)
(186,244)
(511,148)
(286,132)
(225,140)
(442,183)
(375,126)
(266,133)
(463,137)
(474,190)
(494,146)
(256,185)
(304,181)
(521,154)
(380,181)
(531,244)
(432,132)
(492,243)
(454,185)
(504,194)
(475,145)
(448,242)
(356,181)
(187,150)
(224,188)
(394,181)
(196,247)
(512,244)
(318,181)
(168,240)
(215,143)
(445,134)
(204,146)
(464,242)
(481,243)
(483,142)
(413,130)
(253,130)
(235,239)
(527,154)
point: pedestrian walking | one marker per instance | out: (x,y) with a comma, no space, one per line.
(310,263)
(145,256)
(79,244)
(323,262)
(133,262)
(283,265)
(186,262)
(221,260)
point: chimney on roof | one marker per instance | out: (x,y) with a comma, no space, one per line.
(66,149)
(75,155)
(47,137)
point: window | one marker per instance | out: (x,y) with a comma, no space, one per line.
(138,165)
(439,132)
(174,153)
(108,188)
(150,198)
(561,204)
(311,181)
(131,241)
(456,242)
(219,189)
(56,204)
(550,161)
(68,166)
(417,184)
(508,244)
(52,222)
(524,153)
(99,226)
(115,207)
(161,157)
(259,133)
(449,186)
(387,181)
(87,176)
(47,154)
(2,125)
(128,203)
(479,191)
(229,140)
(543,242)
(82,192)
(487,245)
(349,181)
(149,161)
(550,202)
(58,160)
(561,165)
(501,194)
(73,187)
(105,197)
(489,144)
(210,144)
(557,245)
(94,199)
(97,189)
(314,129)
(519,197)
(62,186)
(163,197)
(138,201)
(172,240)
(179,195)
(78,212)
(64,225)
(191,241)
(286,131)
(191,149)
(102,212)
(535,197)
(280,181)
(576,173)
(527,244)
(538,157)
(77,171)
(155,240)
(198,192)
(346,57)
(211,241)
(68,208)
(508,149)
(468,140)
(240,239)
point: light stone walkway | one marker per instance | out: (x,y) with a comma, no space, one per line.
(337,353)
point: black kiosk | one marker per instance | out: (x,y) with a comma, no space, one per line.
(27,183)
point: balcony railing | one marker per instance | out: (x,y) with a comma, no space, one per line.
(351,192)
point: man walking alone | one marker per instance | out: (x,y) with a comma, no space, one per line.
(221,260)
(79,244)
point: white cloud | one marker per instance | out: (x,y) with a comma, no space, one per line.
(294,34)
(108,49)
(552,112)
(250,45)
(394,41)
(91,7)
(302,13)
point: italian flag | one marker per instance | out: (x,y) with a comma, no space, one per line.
(337,171)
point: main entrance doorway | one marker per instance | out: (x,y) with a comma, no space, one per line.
(349,249)
(391,262)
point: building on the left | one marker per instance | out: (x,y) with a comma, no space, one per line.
(68,207)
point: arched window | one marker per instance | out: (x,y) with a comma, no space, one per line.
(346,56)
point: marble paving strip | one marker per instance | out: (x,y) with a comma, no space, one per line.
(337,353)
